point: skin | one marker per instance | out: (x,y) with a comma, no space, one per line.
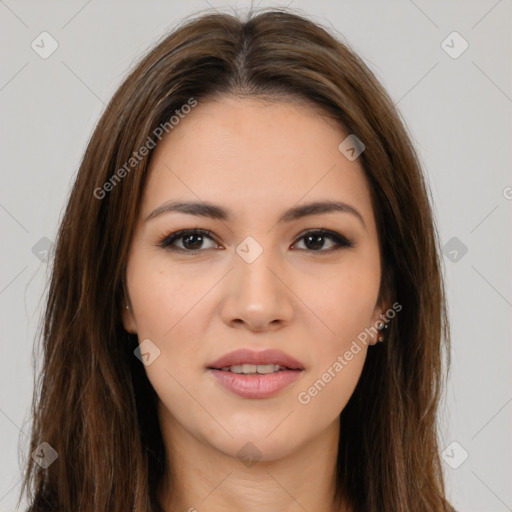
(256,159)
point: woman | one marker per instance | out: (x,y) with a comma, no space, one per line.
(246,310)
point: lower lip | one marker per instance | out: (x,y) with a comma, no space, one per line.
(256,386)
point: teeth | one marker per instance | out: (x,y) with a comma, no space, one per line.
(262,369)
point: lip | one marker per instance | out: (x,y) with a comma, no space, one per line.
(247,356)
(256,386)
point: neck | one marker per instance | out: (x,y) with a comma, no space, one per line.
(200,477)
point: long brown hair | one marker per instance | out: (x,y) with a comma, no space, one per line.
(93,403)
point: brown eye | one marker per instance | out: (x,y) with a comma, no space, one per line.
(188,240)
(316,241)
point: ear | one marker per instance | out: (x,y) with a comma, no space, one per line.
(128,319)
(379,317)
(127,316)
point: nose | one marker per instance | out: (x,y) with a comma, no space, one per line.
(256,295)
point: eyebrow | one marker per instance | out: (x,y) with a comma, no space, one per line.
(213,211)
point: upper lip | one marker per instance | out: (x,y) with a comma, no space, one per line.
(247,356)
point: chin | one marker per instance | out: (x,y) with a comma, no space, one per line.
(251,447)
(259,434)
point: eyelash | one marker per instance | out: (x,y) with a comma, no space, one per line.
(168,240)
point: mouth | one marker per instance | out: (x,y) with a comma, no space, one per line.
(252,361)
(252,374)
(254,369)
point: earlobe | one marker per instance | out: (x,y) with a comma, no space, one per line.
(380,321)
(128,320)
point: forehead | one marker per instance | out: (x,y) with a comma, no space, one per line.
(251,154)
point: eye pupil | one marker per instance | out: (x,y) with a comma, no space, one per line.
(188,241)
(314,242)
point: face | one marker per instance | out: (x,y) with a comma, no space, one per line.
(267,280)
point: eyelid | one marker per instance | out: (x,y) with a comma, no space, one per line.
(165,242)
(340,240)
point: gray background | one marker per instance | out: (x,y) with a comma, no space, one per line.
(458,111)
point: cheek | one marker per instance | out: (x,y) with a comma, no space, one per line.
(343,299)
(344,304)
(164,297)
(323,397)
(166,305)
(169,306)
